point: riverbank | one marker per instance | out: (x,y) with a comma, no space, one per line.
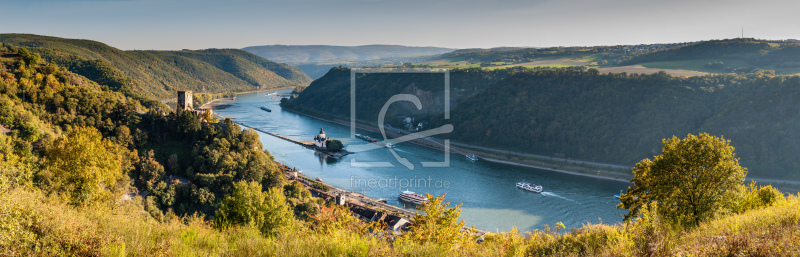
(573,167)
(213,103)
(210,104)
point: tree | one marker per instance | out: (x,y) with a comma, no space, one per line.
(334,145)
(440,225)
(209,117)
(691,180)
(123,137)
(248,205)
(150,171)
(84,164)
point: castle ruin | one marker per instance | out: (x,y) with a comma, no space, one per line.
(185,101)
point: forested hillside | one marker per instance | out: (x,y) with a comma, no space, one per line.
(159,74)
(330,94)
(620,118)
(582,114)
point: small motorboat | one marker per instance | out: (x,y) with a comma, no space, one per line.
(472,157)
(266,109)
(529,187)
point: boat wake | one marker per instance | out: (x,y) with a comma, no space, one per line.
(555,195)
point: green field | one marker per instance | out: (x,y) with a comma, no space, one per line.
(693,65)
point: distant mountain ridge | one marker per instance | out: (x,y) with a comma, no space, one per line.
(738,55)
(159,74)
(316,60)
(297,54)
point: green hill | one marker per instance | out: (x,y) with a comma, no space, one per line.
(741,55)
(325,95)
(159,74)
(733,55)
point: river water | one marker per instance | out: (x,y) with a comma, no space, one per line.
(487,191)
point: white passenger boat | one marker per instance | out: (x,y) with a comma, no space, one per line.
(411,197)
(529,187)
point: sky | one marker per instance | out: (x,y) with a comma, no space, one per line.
(200,24)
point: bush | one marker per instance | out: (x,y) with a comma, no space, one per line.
(334,145)
(757,198)
(320,186)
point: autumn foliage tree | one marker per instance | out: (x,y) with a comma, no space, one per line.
(248,205)
(440,225)
(691,180)
(150,171)
(84,165)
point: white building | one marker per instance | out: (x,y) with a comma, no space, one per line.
(320,139)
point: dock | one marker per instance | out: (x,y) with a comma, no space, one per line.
(368,209)
(353,198)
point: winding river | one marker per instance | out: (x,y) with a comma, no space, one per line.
(487,191)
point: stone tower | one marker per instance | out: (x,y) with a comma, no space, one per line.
(185,101)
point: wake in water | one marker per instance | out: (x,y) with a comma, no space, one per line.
(409,153)
(555,195)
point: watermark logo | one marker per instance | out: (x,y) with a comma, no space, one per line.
(420,135)
(397,182)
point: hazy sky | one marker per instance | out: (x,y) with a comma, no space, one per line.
(174,24)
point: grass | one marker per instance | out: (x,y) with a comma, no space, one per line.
(692,65)
(773,231)
(591,59)
(36,224)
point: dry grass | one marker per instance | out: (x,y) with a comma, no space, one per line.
(32,224)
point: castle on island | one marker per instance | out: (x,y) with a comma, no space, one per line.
(321,139)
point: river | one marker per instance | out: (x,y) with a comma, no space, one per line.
(487,191)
